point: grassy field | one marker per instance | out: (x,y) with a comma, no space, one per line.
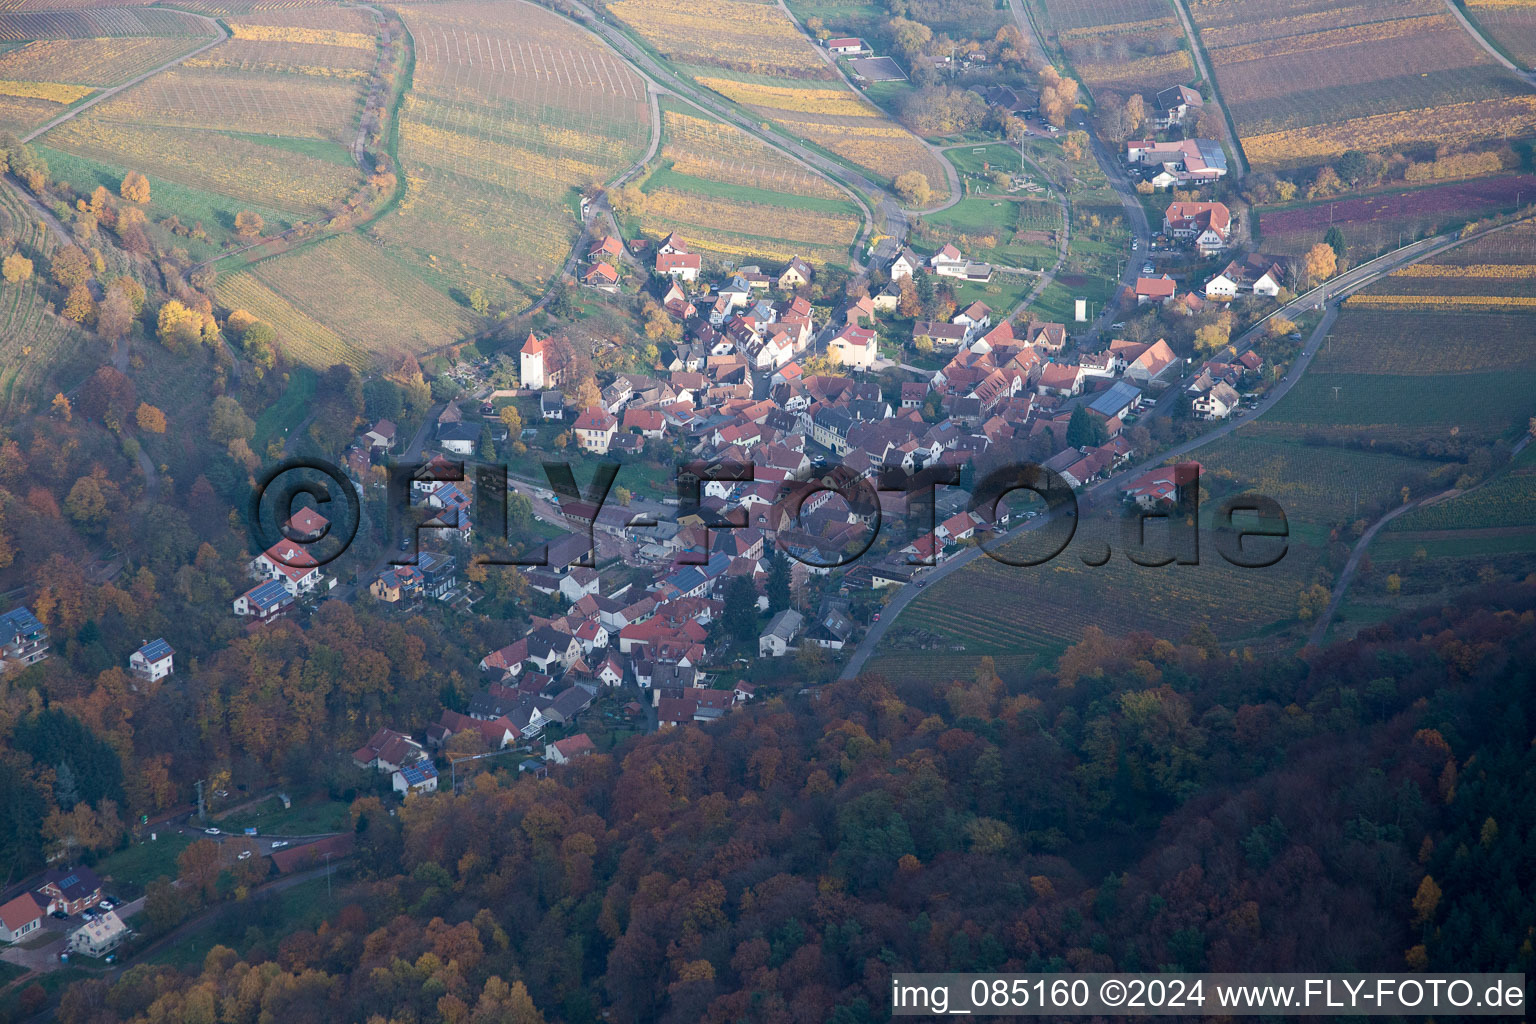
(290,408)
(304,818)
(496,148)
(1374,78)
(753,55)
(347,299)
(132,869)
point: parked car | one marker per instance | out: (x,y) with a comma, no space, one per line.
(244,855)
(212,832)
(877,616)
(89,915)
(1147,268)
(107,903)
(60,915)
(279,844)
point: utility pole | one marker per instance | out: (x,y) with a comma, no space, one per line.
(327,876)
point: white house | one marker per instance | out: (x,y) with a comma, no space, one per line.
(847,46)
(1217,403)
(854,347)
(774,642)
(905,265)
(20,917)
(417,777)
(567,750)
(98,937)
(152,662)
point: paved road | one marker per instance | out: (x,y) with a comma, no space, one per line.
(1315,639)
(1107,492)
(888,210)
(47,215)
(1493,51)
(951,176)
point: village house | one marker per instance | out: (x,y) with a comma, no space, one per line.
(602,276)
(854,348)
(847,46)
(265,600)
(1256,275)
(1155,289)
(1216,404)
(152,662)
(906,264)
(419,776)
(1176,103)
(381,435)
(796,275)
(70,890)
(19,918)
(99,937)
(775,640)
(386,751)
(1205,226)
(594,429)
(567,750)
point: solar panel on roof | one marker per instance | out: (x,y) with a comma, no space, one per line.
(156,650)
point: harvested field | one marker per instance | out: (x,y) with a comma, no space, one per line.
(705,148)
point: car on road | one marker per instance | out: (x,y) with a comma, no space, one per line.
(244,855)
(877,617)
(212,832)
(1147,268)
(279,844)
(405,545)
(921,582)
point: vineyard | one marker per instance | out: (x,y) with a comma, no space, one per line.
(995,608)
(734,197)
(91,62)
(97,23)
(346,299)
(1374,223)
(1125,45)
(1505,501)
(508,120)
(1305,79)
(1317,485)
(1512,25)
(712,150)
(752,54)
(237,124)
(736,34)
(1427,344)
(34,341)
(739,229)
